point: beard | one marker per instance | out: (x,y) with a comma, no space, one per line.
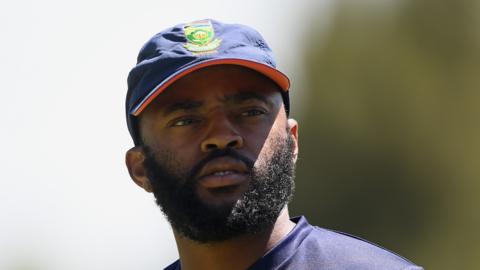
(270,188)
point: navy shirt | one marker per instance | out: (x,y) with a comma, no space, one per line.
(309,247)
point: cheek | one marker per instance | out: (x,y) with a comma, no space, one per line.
(267,146)
(185,154)
(180,143)
(255,138)
(181,152)
(267,151)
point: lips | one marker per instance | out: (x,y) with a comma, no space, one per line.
(223,172)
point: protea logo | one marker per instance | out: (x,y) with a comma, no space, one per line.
(200,37)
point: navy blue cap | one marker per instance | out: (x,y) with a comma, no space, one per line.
(184,48)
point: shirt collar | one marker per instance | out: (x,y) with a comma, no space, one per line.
(280,252)
(286,247)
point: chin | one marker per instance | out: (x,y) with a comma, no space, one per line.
(222,196)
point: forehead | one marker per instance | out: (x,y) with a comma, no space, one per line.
(218,82)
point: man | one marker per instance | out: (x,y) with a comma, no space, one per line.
(208,112)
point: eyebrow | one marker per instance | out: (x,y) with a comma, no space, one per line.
(246,96)
(190,105)
(184,105)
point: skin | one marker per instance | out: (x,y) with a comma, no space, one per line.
(217,107)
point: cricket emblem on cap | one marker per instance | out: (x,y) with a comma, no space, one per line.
(200,37)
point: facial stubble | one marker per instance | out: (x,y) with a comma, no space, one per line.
(271,186)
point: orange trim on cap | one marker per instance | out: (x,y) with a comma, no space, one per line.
(277,76)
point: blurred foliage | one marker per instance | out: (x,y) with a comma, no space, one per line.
(390,137)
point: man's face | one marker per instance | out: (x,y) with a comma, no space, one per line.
(218,153)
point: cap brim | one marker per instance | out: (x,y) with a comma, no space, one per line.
(272,73)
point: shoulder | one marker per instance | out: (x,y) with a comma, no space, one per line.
(174,266)
(337,250)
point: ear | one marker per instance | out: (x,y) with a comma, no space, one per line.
(293,127)
(134,160)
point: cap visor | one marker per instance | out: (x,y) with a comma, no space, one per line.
(272,73)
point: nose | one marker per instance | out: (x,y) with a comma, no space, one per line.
(221,135)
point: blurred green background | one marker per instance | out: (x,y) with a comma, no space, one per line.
(389,131)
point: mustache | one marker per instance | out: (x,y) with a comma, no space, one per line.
(218,153)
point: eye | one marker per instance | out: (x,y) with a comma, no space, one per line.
(252,112)
(183,122)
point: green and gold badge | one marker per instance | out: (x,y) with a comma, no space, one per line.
(200,37)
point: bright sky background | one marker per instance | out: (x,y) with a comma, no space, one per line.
(66,200)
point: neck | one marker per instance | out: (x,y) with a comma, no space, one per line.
(236,253)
